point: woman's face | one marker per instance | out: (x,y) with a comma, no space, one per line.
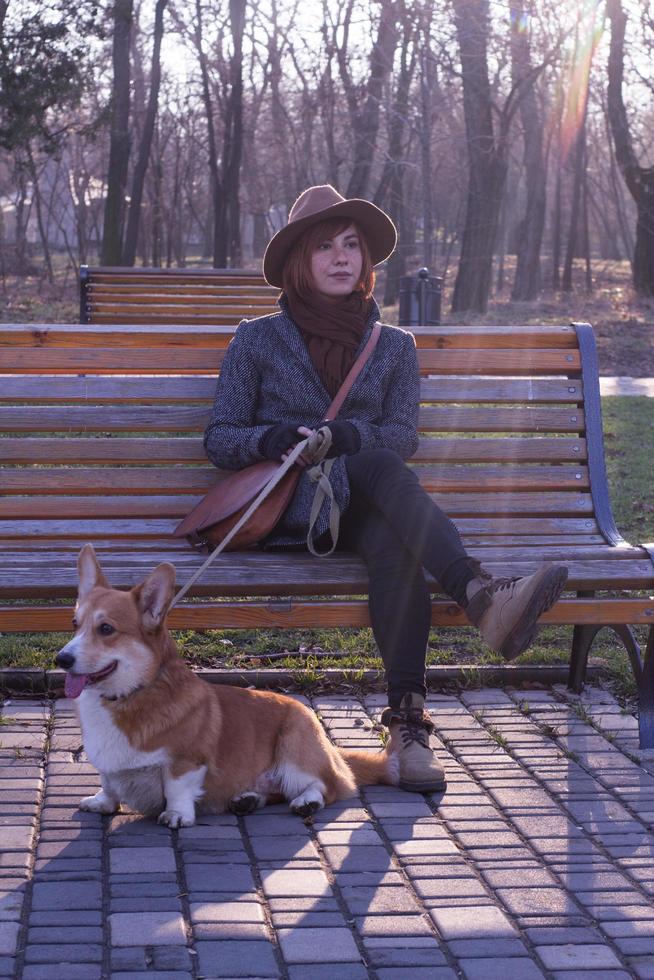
(336,264)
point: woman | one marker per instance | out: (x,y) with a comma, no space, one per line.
(278,378)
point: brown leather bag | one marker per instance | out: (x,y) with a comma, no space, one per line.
(217,513)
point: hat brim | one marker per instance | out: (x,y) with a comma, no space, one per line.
(379,231)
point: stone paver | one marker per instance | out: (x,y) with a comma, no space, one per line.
(536,862)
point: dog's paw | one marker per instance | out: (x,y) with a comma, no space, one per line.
(308,802)
(306,810)
(174,819)
(245,803)
(100,803)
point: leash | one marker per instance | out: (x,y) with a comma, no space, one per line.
(316,446)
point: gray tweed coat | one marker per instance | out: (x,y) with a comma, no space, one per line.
(268,377)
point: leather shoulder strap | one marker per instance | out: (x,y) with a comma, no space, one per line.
(353,374)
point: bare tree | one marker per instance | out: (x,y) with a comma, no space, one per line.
(487,159)
(365,111)
(428,85)
(639,179)
(119,148)
(138,177)
(392,185)
(527,282)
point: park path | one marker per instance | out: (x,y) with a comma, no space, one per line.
(627,386)
(538,860)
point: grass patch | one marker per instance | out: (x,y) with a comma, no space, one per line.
(629,448)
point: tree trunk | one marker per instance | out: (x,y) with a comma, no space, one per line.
(278,116)
(138,179)
(214,173)
(639,180)
(22,218)
(486,161)
(157,208)
(119,146)
(428,84)
(394,171)
(556,215)
(78,183)
(227,241)
(572,247)
(327,100)
(585,223)
(527,283)
(43,234)
(502,231)
(617,192)
(365,119)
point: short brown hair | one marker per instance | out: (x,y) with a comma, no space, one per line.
(297,267)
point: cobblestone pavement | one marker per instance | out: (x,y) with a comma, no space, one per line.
(537,862)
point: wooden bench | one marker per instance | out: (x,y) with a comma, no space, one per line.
(177,296)
(102,442)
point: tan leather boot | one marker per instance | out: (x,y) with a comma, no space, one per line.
(410,727)
(507,610)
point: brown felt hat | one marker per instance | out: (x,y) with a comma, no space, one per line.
(321,203)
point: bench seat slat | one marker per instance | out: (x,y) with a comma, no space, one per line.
(488,553)
(178,418)
(473,540)
(143,479)
(334,613)
(29,509)
(250,573)
(37,449)
(479,514)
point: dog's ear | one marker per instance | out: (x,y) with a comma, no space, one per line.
(155,595)
(89,572)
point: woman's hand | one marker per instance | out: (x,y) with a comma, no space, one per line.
(305,433)
(279,440)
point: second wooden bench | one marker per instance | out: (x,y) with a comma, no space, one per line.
(186,296)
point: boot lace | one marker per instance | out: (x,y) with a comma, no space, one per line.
(500,584)
(413,730)
(414,726)
(491,584)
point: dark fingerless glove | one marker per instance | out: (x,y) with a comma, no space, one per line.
(345,439)
(278,439)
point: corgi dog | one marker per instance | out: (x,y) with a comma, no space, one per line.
(163,740)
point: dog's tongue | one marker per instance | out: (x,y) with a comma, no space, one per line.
(75,684)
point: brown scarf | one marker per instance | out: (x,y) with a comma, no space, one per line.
(332,332)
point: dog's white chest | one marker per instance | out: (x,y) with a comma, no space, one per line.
(105,745)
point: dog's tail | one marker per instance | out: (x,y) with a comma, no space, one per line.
(372,768)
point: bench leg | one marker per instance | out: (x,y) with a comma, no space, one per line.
(646,696)
(642,667)
(582,640)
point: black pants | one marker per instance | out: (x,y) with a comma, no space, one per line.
(398,530)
